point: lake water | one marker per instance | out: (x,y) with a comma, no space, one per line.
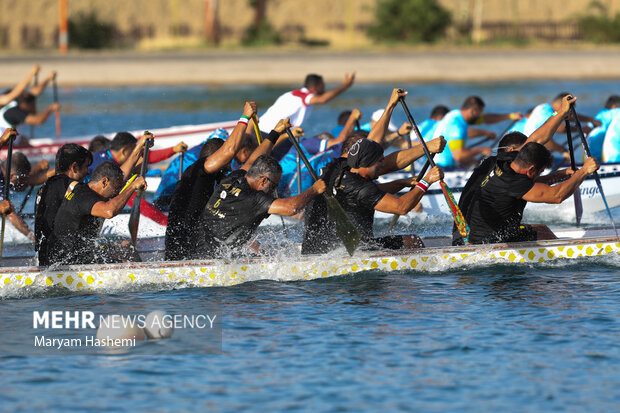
(483,338)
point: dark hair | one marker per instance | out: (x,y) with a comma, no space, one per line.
(99,143)
(613,100)
(107,169)
(560,96)
(121,140)
(473,101)
(439,110)
(249,142)
(313,80)
(210,147)
(264,165)
(344,117)
(534,154)
(351,139)
(20,164)
(70,153)
(511,140)
(26,97)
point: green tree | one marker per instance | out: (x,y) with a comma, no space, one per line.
(86,31)
(261,31)
(411,21)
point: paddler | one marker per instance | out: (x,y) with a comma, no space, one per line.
(497,211)
(72,162)
(507,150)
(125,151)
(170,177)
(351,179)
(10,95)
(544,111)
(245,198)
(296,105)
(23,109)
(81,214)
(12,216)
(196,186)
(607,145)
(455,128)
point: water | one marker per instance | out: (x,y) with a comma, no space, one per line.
(483,338)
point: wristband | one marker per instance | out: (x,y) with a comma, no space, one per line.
(245,117)
(273,136)
(423,185)
(243,120)
(513,116)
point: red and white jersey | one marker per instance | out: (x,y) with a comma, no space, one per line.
(294,105)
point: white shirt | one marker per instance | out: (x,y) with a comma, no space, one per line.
(294,105)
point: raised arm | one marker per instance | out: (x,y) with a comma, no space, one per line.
(6,135)
(348,128)
(111,208)
(330,94)
(40,118)
(38,89)
(265,148)
(377,133)
(401,206)
(545,133)
(491,118)
(132,161)
(231,146)
(20,87)
(556,194)
(401,159)
(293,205)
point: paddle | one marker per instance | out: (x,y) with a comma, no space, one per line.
(259,139)
(459,219)
(345,229)
(134,216)
(56,111)
(34,83)
(420,176)
(501,135)
(357,124)
(25,201)
(577,193)
(597,178)
(181,158)
(417,179)
(5,190)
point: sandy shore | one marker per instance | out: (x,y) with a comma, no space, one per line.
(208,67)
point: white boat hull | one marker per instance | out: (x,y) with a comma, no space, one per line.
(20,281)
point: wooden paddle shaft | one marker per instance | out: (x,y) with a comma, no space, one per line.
(417,132)
(569,138)
(181,165)
(302,155)
(9,161)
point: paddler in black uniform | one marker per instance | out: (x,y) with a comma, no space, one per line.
(193,191)
(72,162)
(245,198)
(81,214)
(319,232)
(507,150)
(497,211)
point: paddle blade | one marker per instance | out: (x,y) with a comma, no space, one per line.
(134,219)
(345,229)
(578,206)
(393,223)
(57,116)
(459,219)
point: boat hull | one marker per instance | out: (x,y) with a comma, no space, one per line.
(166,275)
